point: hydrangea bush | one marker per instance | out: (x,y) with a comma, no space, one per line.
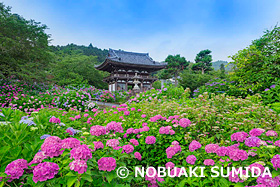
(85,148)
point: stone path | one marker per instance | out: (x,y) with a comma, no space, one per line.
(106,104)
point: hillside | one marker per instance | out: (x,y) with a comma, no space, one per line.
(216,65)
(73,49)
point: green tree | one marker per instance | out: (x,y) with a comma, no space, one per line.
(175,64)
(24,51)
(257,67)
(192,80)
(222,71)
(222,68)
(77,69)
(203,61)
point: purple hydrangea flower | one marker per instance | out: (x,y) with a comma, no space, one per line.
(45,171)
(106,164)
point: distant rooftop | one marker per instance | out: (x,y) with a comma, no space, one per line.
(131,57)
(120,57)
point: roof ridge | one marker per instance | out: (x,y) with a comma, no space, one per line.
(114,52)
(136,53)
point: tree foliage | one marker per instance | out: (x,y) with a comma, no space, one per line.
(77,69)
(71,49)
(24,51)
(192,80)
(25,54)
(258,66)
(175,64)
(203,61)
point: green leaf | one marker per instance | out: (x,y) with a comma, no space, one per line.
(239,184)
(275,173)
(71,181)
(111,176)
(182,183)
(87,177)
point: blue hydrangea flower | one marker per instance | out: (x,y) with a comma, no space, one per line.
(27,121)
(45,136)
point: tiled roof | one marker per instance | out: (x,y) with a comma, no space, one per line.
(132,58)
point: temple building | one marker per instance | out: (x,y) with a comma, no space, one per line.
(128,69)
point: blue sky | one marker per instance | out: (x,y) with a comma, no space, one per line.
(159,27)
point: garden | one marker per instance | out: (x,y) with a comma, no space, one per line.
(210,128)
(54,137)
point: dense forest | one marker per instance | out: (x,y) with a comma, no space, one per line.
(26,54)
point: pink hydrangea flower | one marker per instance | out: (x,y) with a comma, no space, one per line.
(15,169)
(169,165)
(276,161)
(236,154)
(106,164)
(234,177)
(79,166)
(97,130)
(144,124)
(126,113)
(98,145)
(277,143)
(134,142)
(256,132)
(239,136)
(117,148)
(78,117)
(143,115)
(45,171)
(114,126)
(194,145)
(112,143)
(153,177)
(52,149)
(175,143)
(155,118)
(130,130)
(256,165)
(268,181)
(163,130)
(175,172)
(253,141)
(70,143)
(184,122)
(191,159)
(171,151)
(128,149)
(81,152)
(38,158)
(138,156)
(150,140)
(171,132)
(145,129)
(54,120)
(208,162)
(211,148)
(271,133)
(222,151)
